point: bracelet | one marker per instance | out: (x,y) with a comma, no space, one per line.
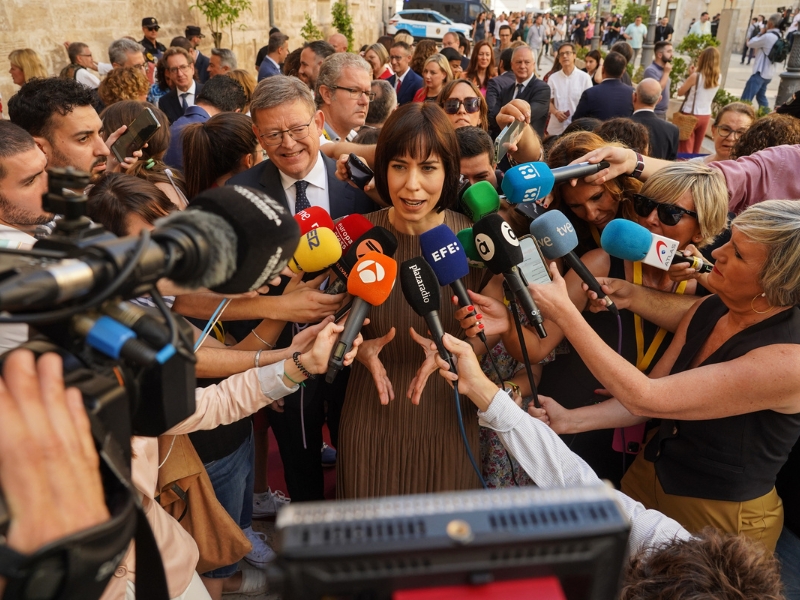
(510,385)
(257,358)
(300,383)
(637,172)
(299,365)
(262,340)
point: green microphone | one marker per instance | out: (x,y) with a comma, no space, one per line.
(467,240)
(479,200)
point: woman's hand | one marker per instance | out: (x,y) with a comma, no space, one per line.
(553,298)
(305,339)
(491,317)
(681,271)
(516,110)
(618,290)
(112,165)
(555,415)
(471,380)
(316,360)
(368,356)
(428,367)
(343,173)
(622,161)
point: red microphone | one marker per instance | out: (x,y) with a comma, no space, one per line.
(348,229)
(313,217)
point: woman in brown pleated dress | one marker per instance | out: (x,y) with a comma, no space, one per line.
(399,431)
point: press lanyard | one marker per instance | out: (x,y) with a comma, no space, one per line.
(643,360)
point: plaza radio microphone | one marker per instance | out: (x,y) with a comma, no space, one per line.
(500,250)
(630,241)
(313,217)
(533,181)
(557,239)
(421,290)
(348,229)
(376,239)
(479,200)
(448,261)
(317,250)
(231,239)
(370,283)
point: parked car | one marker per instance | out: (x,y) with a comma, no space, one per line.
(425,25)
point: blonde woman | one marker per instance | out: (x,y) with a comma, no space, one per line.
(436,73)
(699,89)
(378,58)
(25,65)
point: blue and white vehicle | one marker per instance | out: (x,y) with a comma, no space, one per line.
(425,24)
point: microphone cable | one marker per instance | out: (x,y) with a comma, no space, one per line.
(464,431)
(512,303)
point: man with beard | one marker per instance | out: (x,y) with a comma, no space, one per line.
(59,114)
(659,70)
(22,182)
(311,60)
(343,94)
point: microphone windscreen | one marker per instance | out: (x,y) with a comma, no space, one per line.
(419,285)
(350,228)
(497,244)
(479,200)
(467,239)
(372,278)
(313,217)
(317,250)
(444,254)
(527,183)
(266,234)
(626,240)
(377,239)
(555,234)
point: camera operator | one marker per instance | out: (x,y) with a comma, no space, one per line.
(49,468)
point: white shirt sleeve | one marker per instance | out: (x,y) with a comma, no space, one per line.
(551,464)
(86,77)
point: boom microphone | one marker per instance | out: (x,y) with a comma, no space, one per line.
(500,250)
(421,290)
(479,200)
(557,239)
(630,241)
(534,180)
(370,284)
(313,217)
(448,261)
(317,250)
(231,239)
(376,239)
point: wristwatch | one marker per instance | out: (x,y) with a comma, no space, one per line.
(637,172)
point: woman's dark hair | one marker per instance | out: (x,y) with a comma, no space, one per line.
(447,90)
(125,112)
(161,74)
(422,51)
(419,130)
(291,65)
(583,124)
(771,130)
(627,131)
(215,148)
(117,196)
(472,69)
(598,58)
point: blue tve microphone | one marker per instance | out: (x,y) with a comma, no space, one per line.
(630,241)
(557,239)
(443,252)
(533,181)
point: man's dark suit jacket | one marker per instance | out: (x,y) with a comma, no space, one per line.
(610,99)
(663,135)
(201,67)
(170,104)
(411,85)
(344,198)
(536,93)
(267,69)
(494,90)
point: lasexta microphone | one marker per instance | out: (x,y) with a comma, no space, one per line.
(499,248)
(557,239)
(376,239)
(534,180)
(203,246)
(313,217)
(348,229)
(317,250)
(479,200)
(630,241)
(443,252)
(421,290)
(370,283)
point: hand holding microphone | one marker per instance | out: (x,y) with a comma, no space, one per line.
(533,181)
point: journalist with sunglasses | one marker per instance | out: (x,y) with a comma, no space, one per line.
(685,202)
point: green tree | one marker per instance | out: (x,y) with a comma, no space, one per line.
(633,10)
(692,45)
(220,14)
(309,31)
(343,22)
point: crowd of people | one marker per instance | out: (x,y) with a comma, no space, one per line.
(708,479)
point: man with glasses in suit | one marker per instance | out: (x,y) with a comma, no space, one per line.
(343,94)
(180,67)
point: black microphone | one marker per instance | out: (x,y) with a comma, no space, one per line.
(421,290)
(557,239)
(375,239)
(500,250)
(231,240)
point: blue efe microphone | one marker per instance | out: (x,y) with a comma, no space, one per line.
(442,250)
(534,180)
(557,239)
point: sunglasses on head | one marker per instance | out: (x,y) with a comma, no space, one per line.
(471,105)
(668,214)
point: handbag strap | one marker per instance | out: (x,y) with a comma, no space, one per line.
(696,87)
